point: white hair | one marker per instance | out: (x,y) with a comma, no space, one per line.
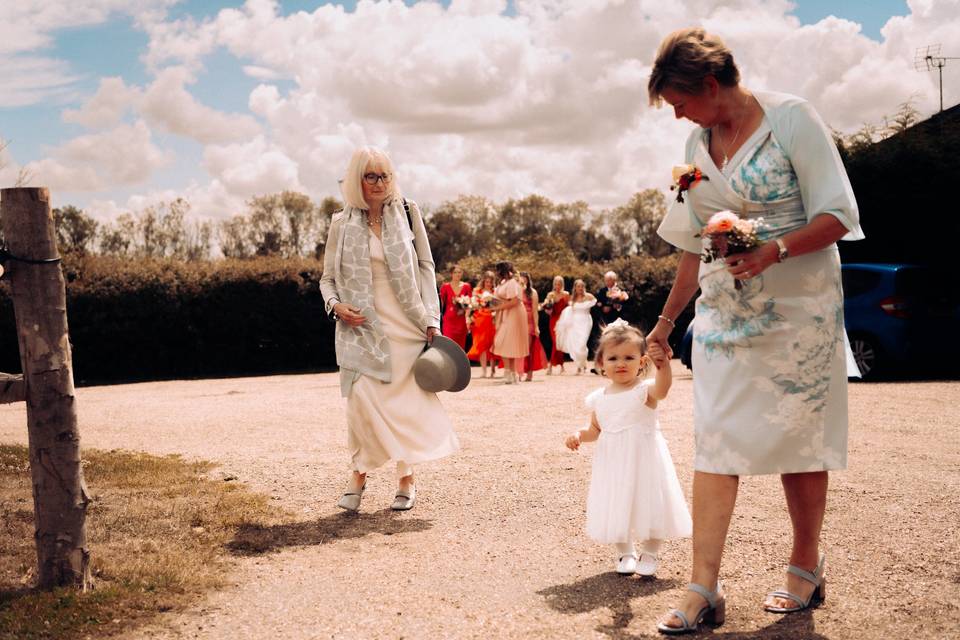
(610,274)
(360,161)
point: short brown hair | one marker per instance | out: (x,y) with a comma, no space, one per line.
(684,60)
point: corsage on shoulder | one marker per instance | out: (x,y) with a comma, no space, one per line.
(686,176)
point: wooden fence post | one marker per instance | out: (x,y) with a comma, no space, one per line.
(39,299)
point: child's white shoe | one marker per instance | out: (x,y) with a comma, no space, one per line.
(627,565)
(648,564)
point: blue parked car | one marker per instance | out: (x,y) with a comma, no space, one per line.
(896,317)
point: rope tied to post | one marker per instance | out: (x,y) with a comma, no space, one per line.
(5,256)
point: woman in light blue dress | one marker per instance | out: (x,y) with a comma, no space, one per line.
(769,357)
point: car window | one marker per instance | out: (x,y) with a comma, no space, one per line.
(857,282)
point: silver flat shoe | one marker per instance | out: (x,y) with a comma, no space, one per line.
(350,501)
(405,500)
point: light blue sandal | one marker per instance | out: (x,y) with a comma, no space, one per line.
(814,600)
(714,613)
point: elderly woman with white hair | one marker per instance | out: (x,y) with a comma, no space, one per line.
(379,284)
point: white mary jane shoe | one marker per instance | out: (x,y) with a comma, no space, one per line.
(405,500)
(648,564)
(350,501)
(627,565)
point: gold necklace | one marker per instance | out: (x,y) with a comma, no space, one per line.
(723,147)
(371,222)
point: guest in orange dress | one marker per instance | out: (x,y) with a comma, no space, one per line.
(510,342)
(537,358)
(454,321)
(480,322)
(555,302)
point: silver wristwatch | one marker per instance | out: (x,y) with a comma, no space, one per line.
(782,253)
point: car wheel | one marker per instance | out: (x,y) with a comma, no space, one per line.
(866,353)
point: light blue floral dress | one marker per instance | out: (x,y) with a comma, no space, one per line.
(769,359)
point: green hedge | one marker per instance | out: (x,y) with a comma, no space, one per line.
(138,320)
(141,320)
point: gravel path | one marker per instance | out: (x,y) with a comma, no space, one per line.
(495,546)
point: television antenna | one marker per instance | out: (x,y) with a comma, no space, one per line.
(929,58)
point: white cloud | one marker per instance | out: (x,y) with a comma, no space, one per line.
(252,168)
(107,107)
(470,100)
(125,155)
(27,80)
(27,27)
(167,103)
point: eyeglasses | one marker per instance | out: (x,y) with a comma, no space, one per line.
(372,178)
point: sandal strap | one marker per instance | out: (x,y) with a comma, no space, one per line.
(789,596)
(813,578)
(709,596)
(683,618)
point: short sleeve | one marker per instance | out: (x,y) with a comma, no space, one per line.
(593,398)
(642,390)
(678,229)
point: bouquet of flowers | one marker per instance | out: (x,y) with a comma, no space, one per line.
(617,294)
(685,177)
(547,304)
(727,233)
(481,300)
(463,302)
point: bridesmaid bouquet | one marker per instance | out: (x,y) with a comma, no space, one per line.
(463,302)
(481,300)
(727,233)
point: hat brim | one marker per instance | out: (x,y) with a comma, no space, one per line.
(460,360)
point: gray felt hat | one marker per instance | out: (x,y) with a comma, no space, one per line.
(443,366)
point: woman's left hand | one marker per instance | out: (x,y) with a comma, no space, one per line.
(432,331)
(750,264)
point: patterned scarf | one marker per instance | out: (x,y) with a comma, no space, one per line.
(365,349)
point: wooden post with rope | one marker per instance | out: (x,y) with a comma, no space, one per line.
(60,496)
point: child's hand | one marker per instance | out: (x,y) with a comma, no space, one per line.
(656,352)
(573,441)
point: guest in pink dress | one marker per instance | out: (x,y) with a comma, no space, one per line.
(511,342)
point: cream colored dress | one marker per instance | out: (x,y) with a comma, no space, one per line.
(397,420)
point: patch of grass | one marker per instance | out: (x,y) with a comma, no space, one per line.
(157,529)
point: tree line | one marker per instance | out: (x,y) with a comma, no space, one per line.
(291,225)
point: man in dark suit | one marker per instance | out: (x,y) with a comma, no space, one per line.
(610,299)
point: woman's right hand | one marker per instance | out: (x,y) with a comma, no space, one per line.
(349,314)
(573,441)
(660,337)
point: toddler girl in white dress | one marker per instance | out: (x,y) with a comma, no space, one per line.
(634,491)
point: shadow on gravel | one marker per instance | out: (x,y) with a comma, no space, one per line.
(609,590)
(797,626)
(254,539)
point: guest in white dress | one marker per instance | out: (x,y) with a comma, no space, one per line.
(575,324)
(634,491)
(379,283)
(770,389)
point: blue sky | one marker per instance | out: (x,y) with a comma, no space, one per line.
(115,47)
